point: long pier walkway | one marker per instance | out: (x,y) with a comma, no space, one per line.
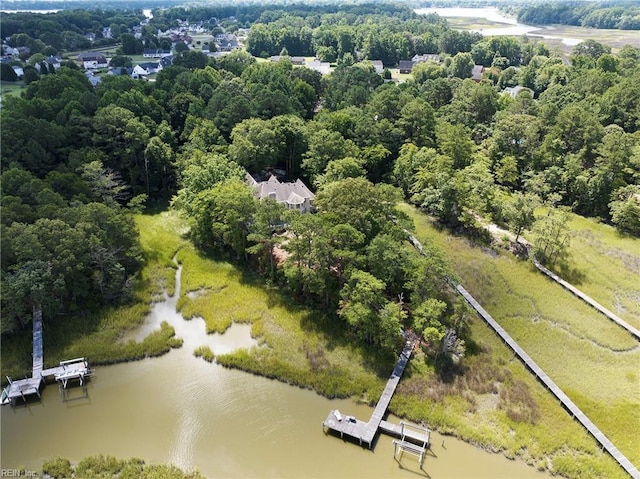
(564,399)
(587,299)
(365,432)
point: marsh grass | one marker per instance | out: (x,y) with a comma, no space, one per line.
(590,358)
(605,265)
(205,353)
(97,335)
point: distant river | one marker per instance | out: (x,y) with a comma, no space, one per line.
(512,27)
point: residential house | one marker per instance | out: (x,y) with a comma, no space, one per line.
(427,57)
(90,36)
(226,42)
(56,61)
(405,66)
(321,67)
(10,51)
(294,60)
(166,61)
(120,71)
(513,91)
(157,53)
(19,71)
(93,79)
(377,64)
(477,72)
(148,68)
(295,195)
(92,60)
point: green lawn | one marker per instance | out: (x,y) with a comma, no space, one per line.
(593,360)
(10,89)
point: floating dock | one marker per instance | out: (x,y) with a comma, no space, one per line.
(365,432)
(68,371)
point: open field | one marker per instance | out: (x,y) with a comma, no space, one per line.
(11,89)
(593,360)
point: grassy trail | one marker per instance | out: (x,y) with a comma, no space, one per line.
(593,360)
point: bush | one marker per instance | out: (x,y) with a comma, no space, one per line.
(58,467)
(205,353)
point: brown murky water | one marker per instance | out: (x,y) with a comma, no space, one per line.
(225,423)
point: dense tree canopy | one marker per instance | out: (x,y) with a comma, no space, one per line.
(73,157)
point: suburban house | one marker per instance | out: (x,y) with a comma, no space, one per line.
(321,67)
(166,61)
(513,91)
(156,53)
(94,80)
(477,72)
(295,195)
(405,66)
(294,60)
(93,60)
(56,61)
(226,42)
(377,64)
(427,57)
(148,68)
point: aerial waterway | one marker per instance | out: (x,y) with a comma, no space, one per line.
(225,423)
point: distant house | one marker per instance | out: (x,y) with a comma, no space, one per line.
(321,67)
(157,53)
(166,61)
(226,42)
(120,71)
(294,60)
(513,91)
(149,68)
(477,72)
(377,64)
(19,71)
(295,195)
(94,80)
(405,66)
(92,60)
(425,58)
(56,61)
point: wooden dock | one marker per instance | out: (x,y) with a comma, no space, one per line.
(72,370)
(365,432)
(587,299)
(568,404)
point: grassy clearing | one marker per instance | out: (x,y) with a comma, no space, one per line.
(10,89)
(590,358)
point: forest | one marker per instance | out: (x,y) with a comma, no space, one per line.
(78,160)
(621,14)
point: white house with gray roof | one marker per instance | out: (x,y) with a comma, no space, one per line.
(295,195)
